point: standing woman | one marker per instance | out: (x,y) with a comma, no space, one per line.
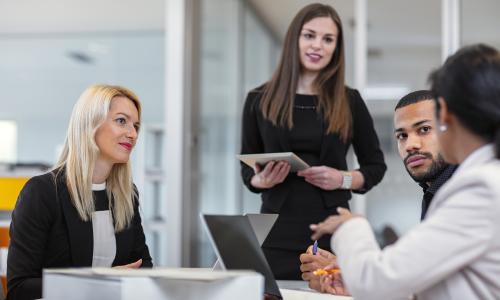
(84,212)
(307,109)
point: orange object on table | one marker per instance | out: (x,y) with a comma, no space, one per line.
(320,272)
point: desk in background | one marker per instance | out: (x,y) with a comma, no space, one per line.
(13,177)
(9,190)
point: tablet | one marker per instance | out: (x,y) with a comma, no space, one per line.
(295,162)
(237,247)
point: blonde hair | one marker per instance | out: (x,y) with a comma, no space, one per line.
(80,153)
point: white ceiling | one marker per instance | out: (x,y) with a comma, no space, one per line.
(395,21)
(56,16)
(279,13)
(389,21)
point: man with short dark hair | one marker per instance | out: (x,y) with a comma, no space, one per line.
(415,132)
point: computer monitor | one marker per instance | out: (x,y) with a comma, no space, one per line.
(237,247)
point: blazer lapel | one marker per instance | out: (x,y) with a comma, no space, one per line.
(123,241)
(79,232)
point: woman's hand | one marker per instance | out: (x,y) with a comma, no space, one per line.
(135,265)
(323,177)
(333,283)
(330,224)
(310,263)
(273,173)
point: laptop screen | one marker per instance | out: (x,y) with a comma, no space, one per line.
(237,248)
(261,225)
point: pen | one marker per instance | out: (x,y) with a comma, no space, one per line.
(315,247)
(320,272)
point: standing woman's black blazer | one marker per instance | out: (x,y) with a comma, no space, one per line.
(261,136)
(47,232)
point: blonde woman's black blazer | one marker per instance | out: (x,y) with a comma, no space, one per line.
(46,232)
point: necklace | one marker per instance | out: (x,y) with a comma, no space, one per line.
(305,106)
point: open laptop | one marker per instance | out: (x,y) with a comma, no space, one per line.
(238,248)
(261,225)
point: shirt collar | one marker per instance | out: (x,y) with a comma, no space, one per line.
(99,186)
(479,156)
(440,180)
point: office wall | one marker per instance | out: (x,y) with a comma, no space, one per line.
(43,74)
(237,54)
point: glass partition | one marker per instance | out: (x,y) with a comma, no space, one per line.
(43,75)
(404,46)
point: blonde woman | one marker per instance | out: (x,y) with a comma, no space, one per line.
(85,211)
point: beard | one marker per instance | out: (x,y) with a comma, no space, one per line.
(436,168)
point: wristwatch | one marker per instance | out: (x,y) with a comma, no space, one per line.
(346,180)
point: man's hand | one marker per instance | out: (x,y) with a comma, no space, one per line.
(310,263)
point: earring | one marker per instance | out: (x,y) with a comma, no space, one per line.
(443,128)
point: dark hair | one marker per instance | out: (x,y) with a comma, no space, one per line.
(414,97)
(279,93)
(469,83)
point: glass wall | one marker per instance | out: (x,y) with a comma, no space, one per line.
(43,74)
(237,54)
(261,55)
(404,45)
(480,22)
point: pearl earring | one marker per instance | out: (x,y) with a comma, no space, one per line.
(443,128)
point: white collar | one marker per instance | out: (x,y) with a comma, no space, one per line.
(479,156)
(99,186)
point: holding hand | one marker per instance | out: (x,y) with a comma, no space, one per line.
(135,265)
(330,224)
(272,174)
(333,283)
(323,177)
(311,263)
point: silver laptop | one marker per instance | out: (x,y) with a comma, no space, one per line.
(261,225)
(237,248)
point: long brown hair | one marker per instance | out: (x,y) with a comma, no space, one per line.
(279,93)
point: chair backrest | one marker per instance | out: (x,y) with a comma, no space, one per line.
(4,237)
(4,245)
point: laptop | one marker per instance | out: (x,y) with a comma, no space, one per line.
(238,248)
(261,225)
